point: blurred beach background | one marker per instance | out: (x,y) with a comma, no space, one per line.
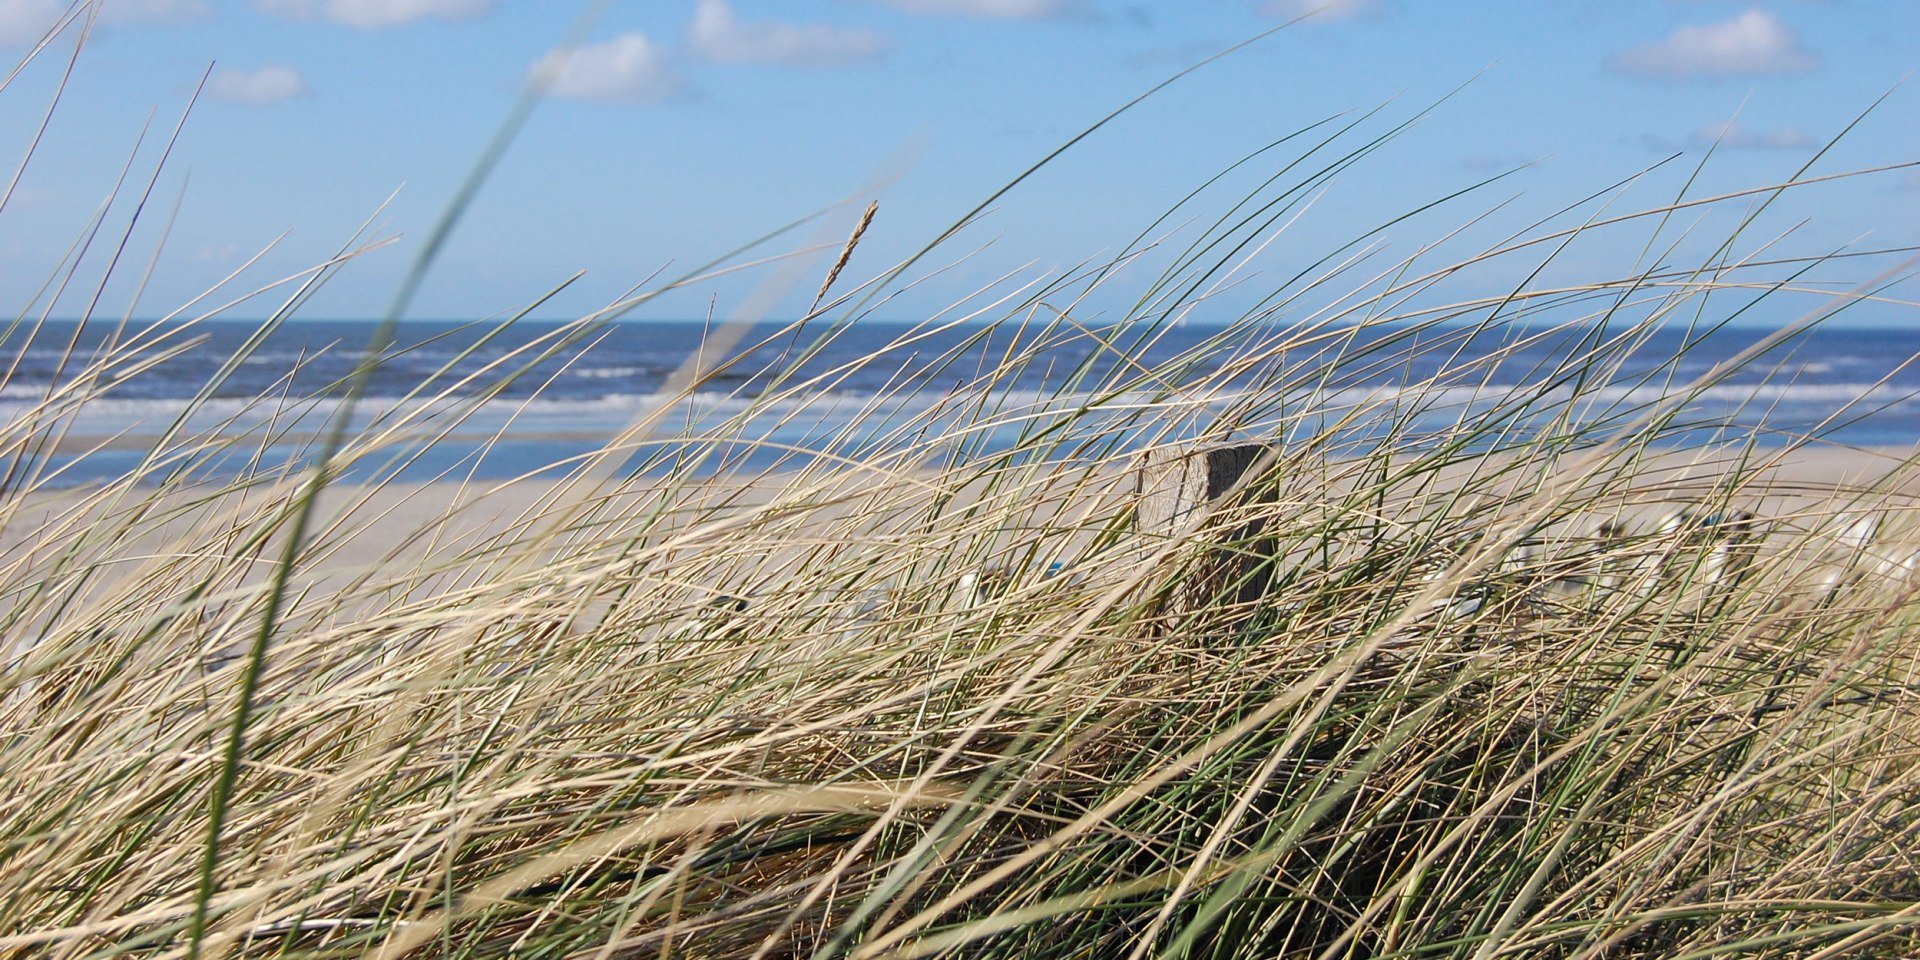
(1836,386)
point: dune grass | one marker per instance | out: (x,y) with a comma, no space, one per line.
(925,690)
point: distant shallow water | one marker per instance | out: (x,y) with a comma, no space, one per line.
(505,412)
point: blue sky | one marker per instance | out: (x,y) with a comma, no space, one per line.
(676,130)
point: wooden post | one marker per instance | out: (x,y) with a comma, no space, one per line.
(1175,484)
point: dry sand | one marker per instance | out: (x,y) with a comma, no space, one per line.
(362,528)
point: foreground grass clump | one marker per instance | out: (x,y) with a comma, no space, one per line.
(852,708)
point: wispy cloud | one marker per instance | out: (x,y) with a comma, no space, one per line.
(1754,43)
(26,21)
(719,36)
(377,14)
(993,9)
(152,11)
(1732,134)
(626,69)
(256,88)
(1322,11)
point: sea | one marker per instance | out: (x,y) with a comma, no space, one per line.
(89,402)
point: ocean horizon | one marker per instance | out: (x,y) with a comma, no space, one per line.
(503,401)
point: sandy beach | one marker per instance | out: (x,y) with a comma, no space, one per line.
(398,527)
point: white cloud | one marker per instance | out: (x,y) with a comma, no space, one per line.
(26,21)
(1733,135)
(225,253)
(992,9)
(1322,11)
(626,69)
(718,35)
(1755,43)
(256,88)
(152,11)
(377,14)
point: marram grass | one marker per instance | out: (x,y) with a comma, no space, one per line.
(927,696)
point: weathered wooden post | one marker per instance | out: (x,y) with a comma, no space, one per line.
(1174,485)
